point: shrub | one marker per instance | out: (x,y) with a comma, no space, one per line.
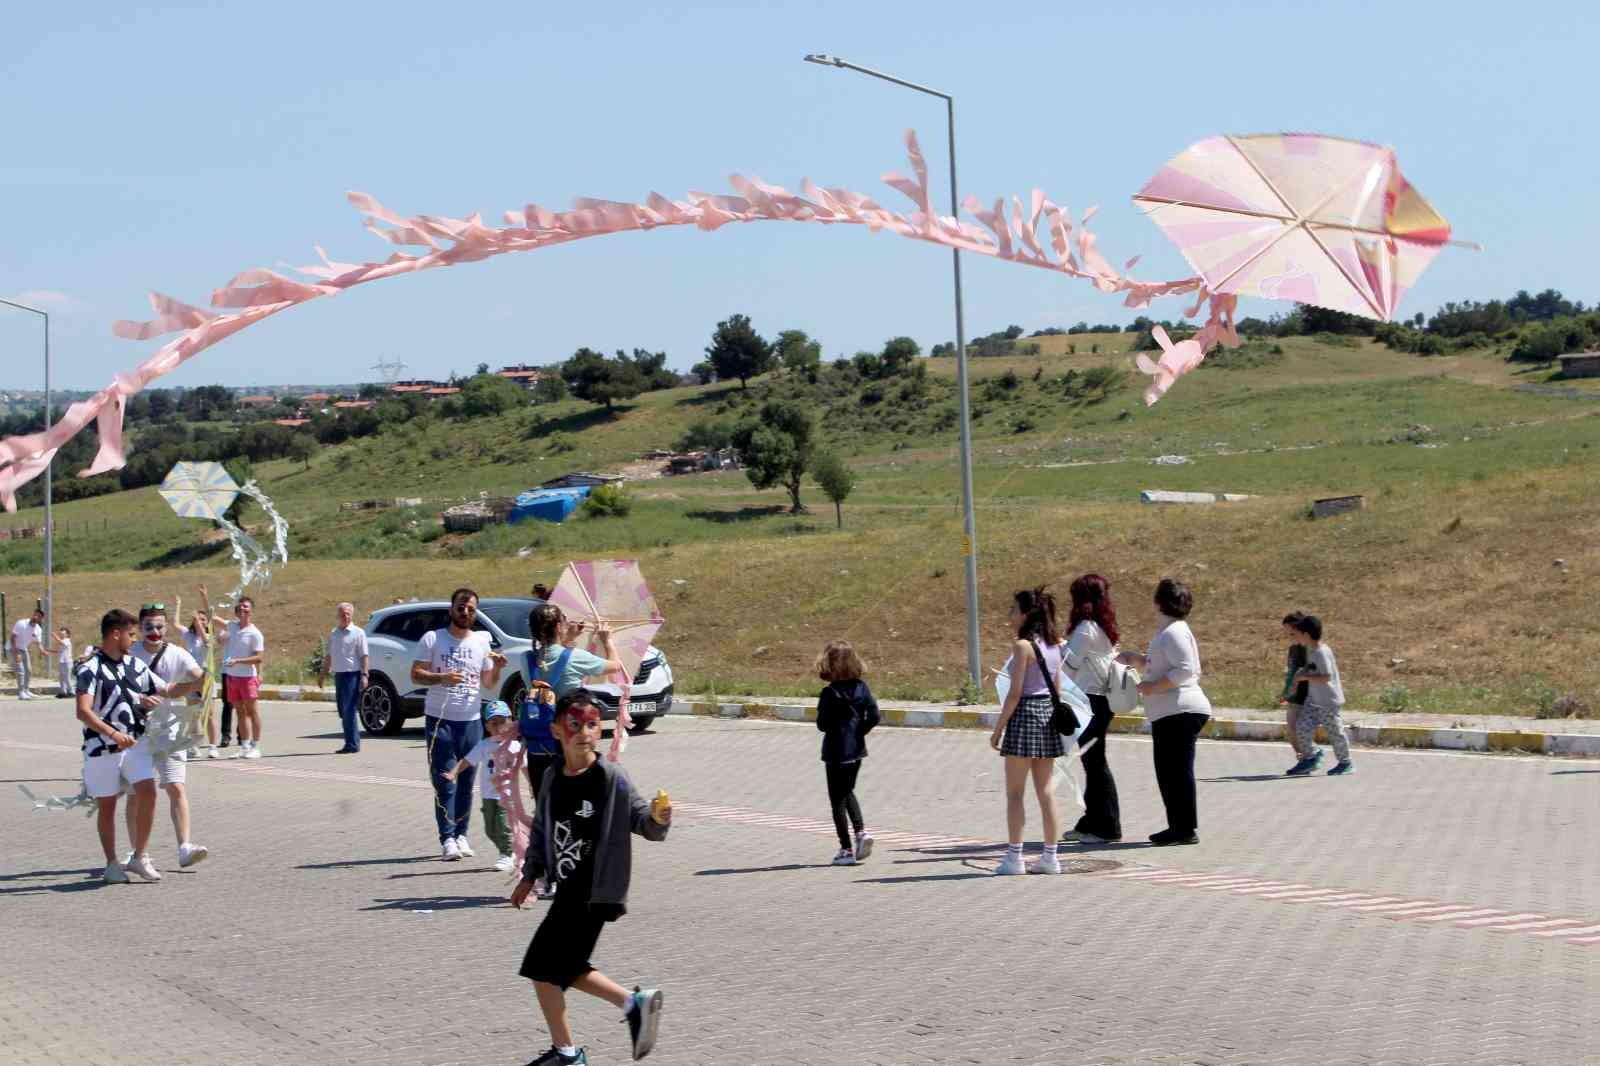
(1396,698)
(606,501)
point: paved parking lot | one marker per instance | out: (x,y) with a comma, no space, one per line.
(1432,908)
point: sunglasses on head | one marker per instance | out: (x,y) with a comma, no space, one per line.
(153,607)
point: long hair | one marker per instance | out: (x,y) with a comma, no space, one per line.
(1091,602)
(839,662)
(1038,607)
(544,626)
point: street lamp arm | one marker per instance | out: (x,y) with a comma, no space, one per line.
(49,490)
(823,59)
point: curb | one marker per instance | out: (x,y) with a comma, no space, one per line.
(1419,737)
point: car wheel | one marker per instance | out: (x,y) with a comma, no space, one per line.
(380,710)
(641,725)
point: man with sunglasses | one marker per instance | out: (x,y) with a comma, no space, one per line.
(455,664)
(244,651)
(181,675)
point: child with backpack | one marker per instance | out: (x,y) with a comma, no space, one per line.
(588,813)
(1293,697)
(846,713)
(1324,701)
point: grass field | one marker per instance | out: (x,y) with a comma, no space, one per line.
(1443,594)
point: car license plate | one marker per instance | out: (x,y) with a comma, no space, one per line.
(642,707)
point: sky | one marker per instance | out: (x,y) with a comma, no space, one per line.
(172,146)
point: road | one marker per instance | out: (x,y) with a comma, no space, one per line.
(1433,908)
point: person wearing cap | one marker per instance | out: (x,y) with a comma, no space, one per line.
(497,722)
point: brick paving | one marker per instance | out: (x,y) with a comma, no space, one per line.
(324,930)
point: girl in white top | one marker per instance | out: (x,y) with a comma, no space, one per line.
(1176,707)
(1090,650)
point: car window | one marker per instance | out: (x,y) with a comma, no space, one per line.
(511,618)
(392,625)
(424,621)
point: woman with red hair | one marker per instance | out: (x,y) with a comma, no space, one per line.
(1091,647)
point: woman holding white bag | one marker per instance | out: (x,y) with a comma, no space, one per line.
(1090,661)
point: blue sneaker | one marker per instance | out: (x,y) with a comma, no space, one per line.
(1345,767)
(1304,766)
(643,1015)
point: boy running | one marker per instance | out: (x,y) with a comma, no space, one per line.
(1324,701)
(581,841)
(177,669)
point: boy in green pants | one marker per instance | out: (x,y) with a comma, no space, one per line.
(496,721)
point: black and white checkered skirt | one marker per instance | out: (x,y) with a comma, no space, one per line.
(1029,734)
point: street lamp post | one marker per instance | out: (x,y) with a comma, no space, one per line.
(970,543)
(49,525)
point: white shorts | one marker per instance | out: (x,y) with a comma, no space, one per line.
(106,773)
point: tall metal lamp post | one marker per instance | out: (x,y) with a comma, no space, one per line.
(974,668)
(49,525)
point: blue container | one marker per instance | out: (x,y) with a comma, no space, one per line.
(546,505)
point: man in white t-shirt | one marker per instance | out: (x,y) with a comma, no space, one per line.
(244,650)
(346,656)
(163,740)
(456,664)
(24,635)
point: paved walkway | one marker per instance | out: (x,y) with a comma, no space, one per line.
(1433,908)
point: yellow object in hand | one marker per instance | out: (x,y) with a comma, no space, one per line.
(660,805)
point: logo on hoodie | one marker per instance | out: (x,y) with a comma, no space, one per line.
(585,810)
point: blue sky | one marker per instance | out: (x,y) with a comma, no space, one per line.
(172,148)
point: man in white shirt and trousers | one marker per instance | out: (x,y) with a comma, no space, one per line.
(347,658)
(23,636)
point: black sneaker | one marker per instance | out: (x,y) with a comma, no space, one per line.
(556,1058)
(643,1016)
(1168,837)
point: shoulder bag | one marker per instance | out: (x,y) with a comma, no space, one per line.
(1063,719)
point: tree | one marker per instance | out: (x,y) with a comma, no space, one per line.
(798,353)
(490,394)
(836,481)
(704,372)
(652,369)
(900,352)
(550,389)
(777,448)
(594,378)
(706,435)
(483,368)
(302,447)
(738,351)
(1013,332)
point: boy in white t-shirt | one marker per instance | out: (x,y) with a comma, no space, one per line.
(1324,701)
(496,723)
(64,661)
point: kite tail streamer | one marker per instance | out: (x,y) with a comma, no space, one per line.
(56,803)
(255,561)
(1068,762)
(619,732)
(510,760)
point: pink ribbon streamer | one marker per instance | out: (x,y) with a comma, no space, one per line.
(619,732)
(1178,359)
(510,761)
(1005,233)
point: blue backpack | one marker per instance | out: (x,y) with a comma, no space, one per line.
(537,716)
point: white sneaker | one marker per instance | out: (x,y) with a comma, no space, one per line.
(464,847)
(845,857)
(451,851)
(504,864)
(1045,864)
(24,695)
(114,874)
(190,854)
(142,866)
(1010,867)
(253,752)
(239,752)
(863,846)
(213,753)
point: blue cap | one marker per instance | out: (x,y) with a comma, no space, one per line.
(497,709)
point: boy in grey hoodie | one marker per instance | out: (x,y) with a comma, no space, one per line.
(581,843)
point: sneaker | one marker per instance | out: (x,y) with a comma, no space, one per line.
(863,845)
(504,864)
(1045,864)
(252,752)
(451,850)
(24,695)
(190,854)
(845,857)
(1010,867)
(1346,767)
(1076,836)
(114,874)
(548,892)
(213,753)
(142,866)
(1303,767)
(464,848)
(556,1058)
(1168,837)
(643,1014)
(238,753)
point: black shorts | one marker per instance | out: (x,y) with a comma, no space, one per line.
(561,946)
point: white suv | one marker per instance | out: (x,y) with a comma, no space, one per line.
(393,634)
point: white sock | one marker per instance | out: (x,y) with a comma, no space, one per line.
(568,1049)
(1050,849)
(1014,851)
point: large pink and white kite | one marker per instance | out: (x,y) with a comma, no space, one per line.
(1293,217)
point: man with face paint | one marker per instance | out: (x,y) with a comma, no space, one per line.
(582,841)
(177,669)
(456,664)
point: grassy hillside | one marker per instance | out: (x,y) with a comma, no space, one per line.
(1443,594)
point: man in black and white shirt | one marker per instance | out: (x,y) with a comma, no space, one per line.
(115,693)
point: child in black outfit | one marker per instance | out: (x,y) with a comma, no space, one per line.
(846,713)
(581,842)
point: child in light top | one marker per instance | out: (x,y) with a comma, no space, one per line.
(1324,700)
(64,660)
(496,722)
(846,713)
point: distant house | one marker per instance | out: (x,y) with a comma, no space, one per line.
(1580,365)
(414,385)
(317,399)
(579,478)
(354,405)
(522,374)
(257,401)
(439,392)
(292,423)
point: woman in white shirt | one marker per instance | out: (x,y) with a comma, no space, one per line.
(1176,707)
(1090,650)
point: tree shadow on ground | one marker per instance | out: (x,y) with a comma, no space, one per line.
(575,421)
(742,514)
(437,903)
(183,555)
(709,396)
